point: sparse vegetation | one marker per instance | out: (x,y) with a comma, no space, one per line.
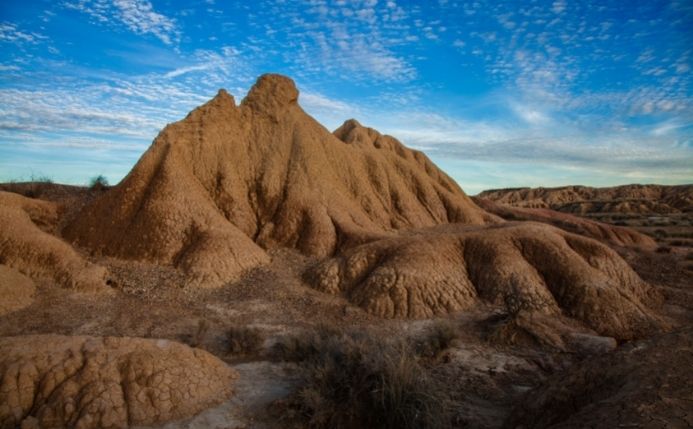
(35,185)
(40,179)
(198,337)
(659,233)
(244,340)
(297,348)
(359,380)
(679,243)
(438,337)
(98,183)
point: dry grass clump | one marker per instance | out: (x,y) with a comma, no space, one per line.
(437,338)
(35,186)
(244,340)
(197,338)
(358,380)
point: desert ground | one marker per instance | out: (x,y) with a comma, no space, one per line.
(255,270)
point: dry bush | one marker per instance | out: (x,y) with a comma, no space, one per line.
(356,380)
(437,338)
(304,346)
(198,337)
(244,340)
(35,186)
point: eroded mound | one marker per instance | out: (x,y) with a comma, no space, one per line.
(524,266)
(27,245)
(645,384)
(16,290)
(584,199)
(228,181)
(612,234)
(53,381)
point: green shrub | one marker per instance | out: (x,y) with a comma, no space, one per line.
(98,183)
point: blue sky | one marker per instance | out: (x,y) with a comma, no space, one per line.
(499,94)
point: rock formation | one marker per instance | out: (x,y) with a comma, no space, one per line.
(52,381)
(523,266)
(582,200)
(228,181)
(16,290)
(611,234)
(28,245)
(644,384)
(218,188)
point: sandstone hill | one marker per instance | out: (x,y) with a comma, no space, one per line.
(641,199)
(29,245)
(227,182)
(17,290)
(53,381)
(611,234)
(520,266)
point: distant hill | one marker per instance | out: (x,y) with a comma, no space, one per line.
(581,200)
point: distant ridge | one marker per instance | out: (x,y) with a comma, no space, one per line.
(584,199)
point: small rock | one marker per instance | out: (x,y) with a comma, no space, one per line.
(592,344)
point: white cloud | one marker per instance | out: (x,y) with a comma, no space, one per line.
(137,16)
(351,40)
(12,34)
(217,65)
(141,18)
(530,115)
(110,108)
(558,6)
(314,100)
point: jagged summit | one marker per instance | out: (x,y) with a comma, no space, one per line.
(223,97)
(271,93)
(347,126)
(229,181)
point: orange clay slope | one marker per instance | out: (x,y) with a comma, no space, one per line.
(395,234)
(227,182)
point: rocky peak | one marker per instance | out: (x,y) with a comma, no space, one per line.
(271,93)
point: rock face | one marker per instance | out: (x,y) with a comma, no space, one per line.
(17,290)
(644,384)
(611,234)
(53,381)
(27,245)
(583,200)
(217,188)
(524,266)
